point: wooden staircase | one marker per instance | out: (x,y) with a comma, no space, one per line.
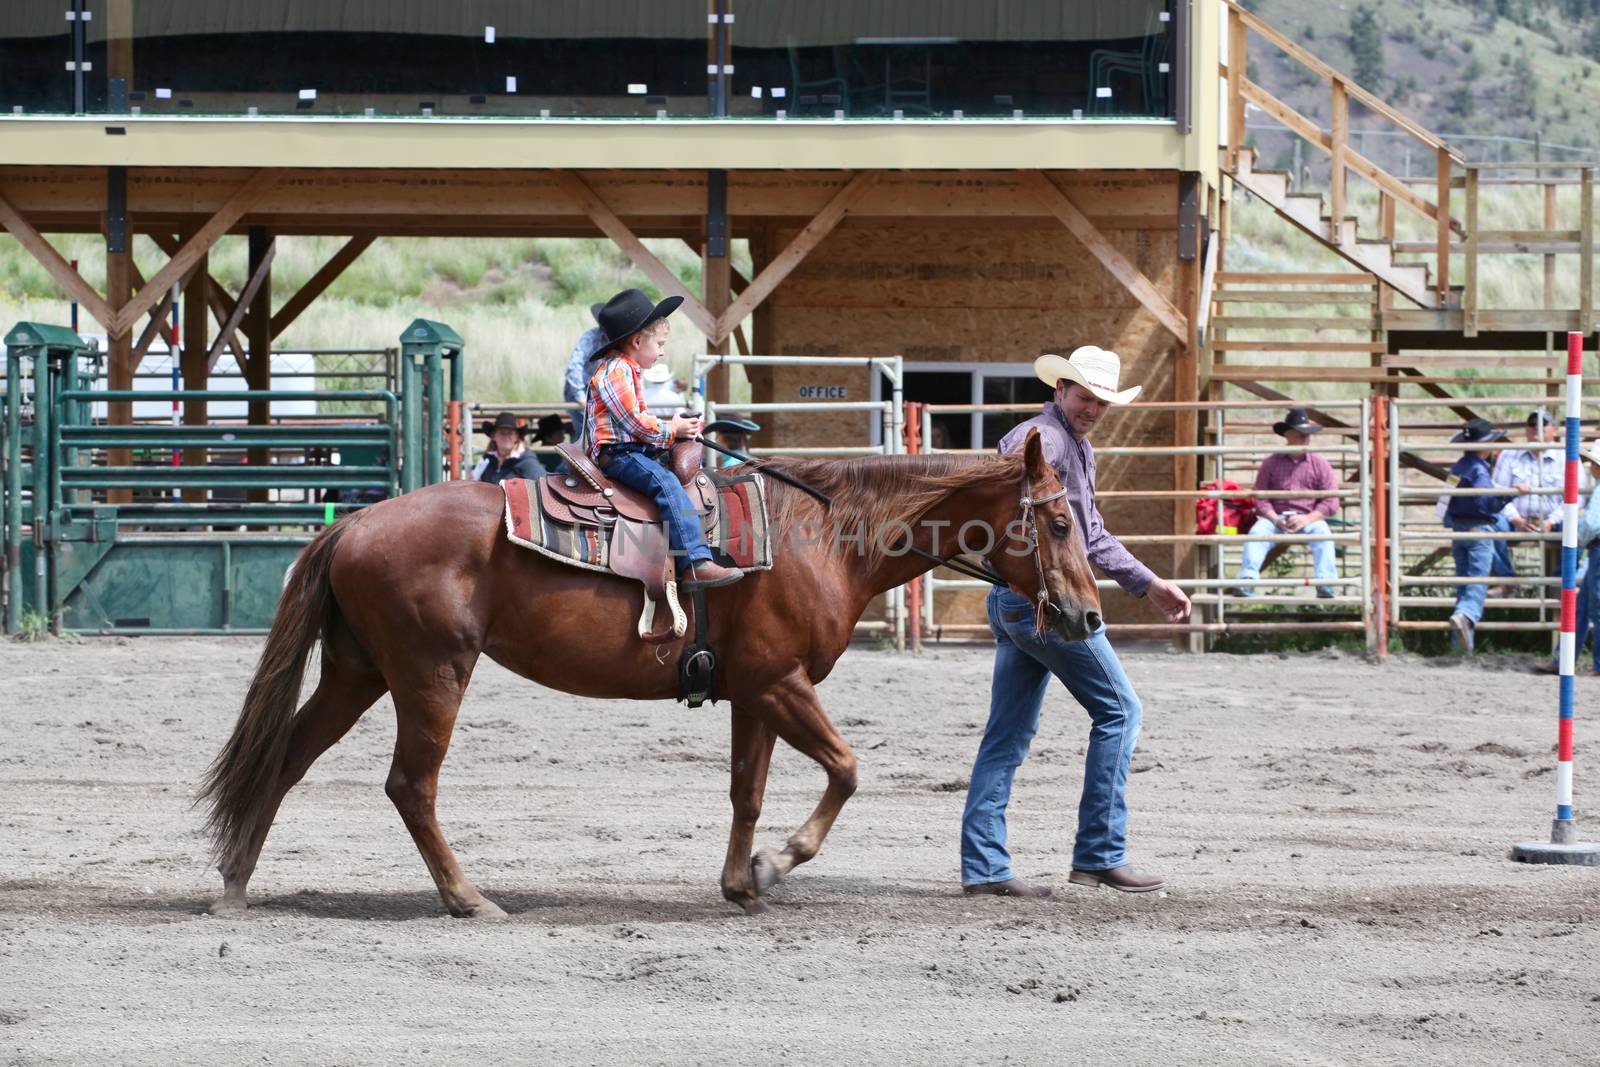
(1318,327)
(1307,211)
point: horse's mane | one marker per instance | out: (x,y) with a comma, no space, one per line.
(869,493)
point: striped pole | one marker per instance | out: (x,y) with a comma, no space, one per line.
(1564,846)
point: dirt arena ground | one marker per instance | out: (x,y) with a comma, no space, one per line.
(1334,832)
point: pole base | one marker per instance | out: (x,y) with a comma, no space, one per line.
(1563,847)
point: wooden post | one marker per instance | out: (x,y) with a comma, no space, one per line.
(1549,259)
(119,293)
(1586,252)
(1186,370)
(193,363)
(1469,294)
(716,294)
(1441,276)
(1341,142)
(258,332)
(1237,64)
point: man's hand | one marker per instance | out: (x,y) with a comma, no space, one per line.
(1173,602)
(1523,525)
(1293,523)
(685,427)
(1522,488)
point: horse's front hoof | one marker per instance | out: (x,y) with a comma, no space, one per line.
(755,906)
(764,872)
(483,909)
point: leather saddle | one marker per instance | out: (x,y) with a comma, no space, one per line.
(639,548)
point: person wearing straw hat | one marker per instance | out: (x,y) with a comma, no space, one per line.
(580,368)
(506,457)
(1296,470)
(1473,514)
(1087,384)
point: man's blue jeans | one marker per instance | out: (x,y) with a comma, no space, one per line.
(1474,559)
(1322,556)
(1023,665)
(638,471)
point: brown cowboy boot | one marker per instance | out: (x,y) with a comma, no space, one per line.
(703,574)
(1011,887)
(1124,879)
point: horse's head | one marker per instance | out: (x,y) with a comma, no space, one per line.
(1042,554)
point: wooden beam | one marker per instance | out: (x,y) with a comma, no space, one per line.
(795,252)
(1143,289)
(614,228)
(319,282)
(216,294)
(58,268)
(231,212)
(226,334)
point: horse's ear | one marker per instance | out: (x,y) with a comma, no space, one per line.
(1033,454)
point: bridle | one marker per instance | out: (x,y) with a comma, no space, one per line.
(1044,609)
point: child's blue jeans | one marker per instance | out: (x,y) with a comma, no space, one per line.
(632,467)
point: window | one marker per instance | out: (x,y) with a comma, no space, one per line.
(970,383)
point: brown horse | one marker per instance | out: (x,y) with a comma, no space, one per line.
(402,608)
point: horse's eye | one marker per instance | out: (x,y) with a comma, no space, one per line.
(1059,527)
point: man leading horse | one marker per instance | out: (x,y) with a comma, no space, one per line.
(1086,386)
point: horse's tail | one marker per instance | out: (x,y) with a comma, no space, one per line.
(239,783)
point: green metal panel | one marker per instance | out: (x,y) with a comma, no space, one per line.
(43,335)
(163,565)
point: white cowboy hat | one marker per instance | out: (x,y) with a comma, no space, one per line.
(1092,367)
(657,373)
(1591,451)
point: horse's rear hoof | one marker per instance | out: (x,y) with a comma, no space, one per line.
(226,906)
(764,872)
(755,906)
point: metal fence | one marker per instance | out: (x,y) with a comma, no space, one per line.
(1281,599)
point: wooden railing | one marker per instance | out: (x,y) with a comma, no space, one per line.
(1336,140)
(1548,241)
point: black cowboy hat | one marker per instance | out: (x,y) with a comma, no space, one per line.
(503,421)
(1478,432)
(594,312)
(1298,420)
(553,423)
(629,312)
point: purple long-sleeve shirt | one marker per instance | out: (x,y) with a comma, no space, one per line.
(1298,471)
(1073,459)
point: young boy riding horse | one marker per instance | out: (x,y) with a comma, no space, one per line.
(628,442)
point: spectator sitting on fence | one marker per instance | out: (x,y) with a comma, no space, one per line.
(734,436)
(506,458)
(1477,514)
(1533,512)
(580,368)
(552,431)
(1296,470)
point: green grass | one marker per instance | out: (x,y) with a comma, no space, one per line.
(520,304)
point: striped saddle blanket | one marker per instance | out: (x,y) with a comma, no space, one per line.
(566,519)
